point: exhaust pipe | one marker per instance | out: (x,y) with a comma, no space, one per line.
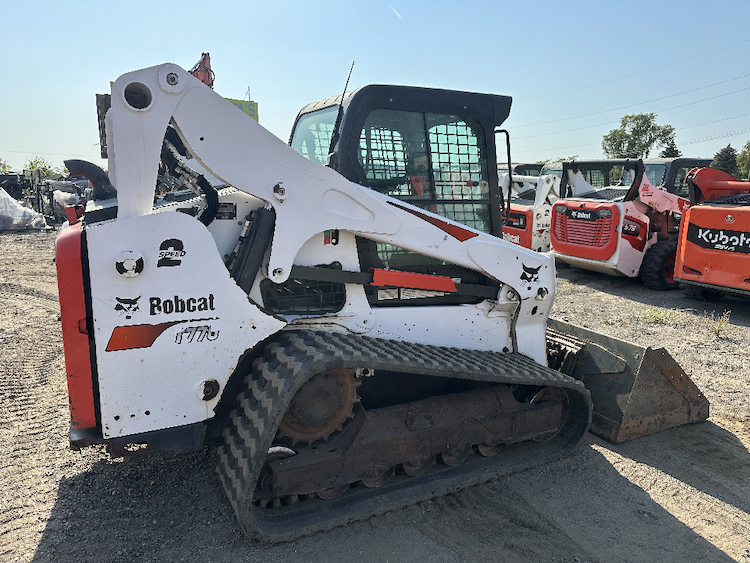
(636,391)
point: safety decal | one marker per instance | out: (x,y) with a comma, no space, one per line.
(171,252)
(719,239)
(226,211)
(331,236)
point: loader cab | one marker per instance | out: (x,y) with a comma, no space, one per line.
(675,173)
(668,173)
(596,174)
(434,149)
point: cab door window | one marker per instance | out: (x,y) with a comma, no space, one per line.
(434,161)
(680,185)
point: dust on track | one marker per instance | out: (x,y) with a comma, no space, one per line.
(680,495)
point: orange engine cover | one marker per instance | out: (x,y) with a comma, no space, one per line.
(714,246)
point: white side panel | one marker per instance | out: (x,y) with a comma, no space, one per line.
(629,257)
(547,192)
(202,322)
(461,326)
(532,275)
(542,222)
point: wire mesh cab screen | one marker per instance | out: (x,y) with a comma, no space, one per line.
(433,161)
(428,160)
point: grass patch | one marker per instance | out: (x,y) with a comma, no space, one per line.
(659,316)
(714,323)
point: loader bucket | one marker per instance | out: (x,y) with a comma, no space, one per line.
(636,391)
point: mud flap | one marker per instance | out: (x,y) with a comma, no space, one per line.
(636,391)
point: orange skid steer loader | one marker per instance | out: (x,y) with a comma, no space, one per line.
(713,255)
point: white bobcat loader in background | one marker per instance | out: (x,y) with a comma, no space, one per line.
(527,221)
(628,229)
(348,352)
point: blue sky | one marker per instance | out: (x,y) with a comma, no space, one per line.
(573,68)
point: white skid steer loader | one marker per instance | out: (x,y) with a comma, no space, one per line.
(347,350)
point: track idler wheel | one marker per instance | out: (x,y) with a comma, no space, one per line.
(321,406)
(419,467)
(456,456)
(264,495)
(333,492)
(379,478)
(488,451)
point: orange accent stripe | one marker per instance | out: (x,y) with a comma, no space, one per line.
(412,280)
(136,336)
(453,230)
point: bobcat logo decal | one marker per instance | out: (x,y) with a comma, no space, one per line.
(530,275)
(127,306)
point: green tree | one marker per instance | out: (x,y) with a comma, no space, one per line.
(743,162)
(726,160)
(637,135)
(4,166)
(670,150)
(45,168)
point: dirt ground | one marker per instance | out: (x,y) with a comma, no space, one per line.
(679,496)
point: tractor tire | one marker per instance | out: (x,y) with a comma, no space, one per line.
(657,269)
(13,189)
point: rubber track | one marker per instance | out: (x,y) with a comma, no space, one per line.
(296,356)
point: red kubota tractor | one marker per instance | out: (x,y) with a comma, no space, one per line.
(713,254)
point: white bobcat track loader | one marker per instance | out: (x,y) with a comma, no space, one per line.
(348,352)
(628,229)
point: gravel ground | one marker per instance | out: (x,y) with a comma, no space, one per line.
(680,495)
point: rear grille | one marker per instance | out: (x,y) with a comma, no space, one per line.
(595,233)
